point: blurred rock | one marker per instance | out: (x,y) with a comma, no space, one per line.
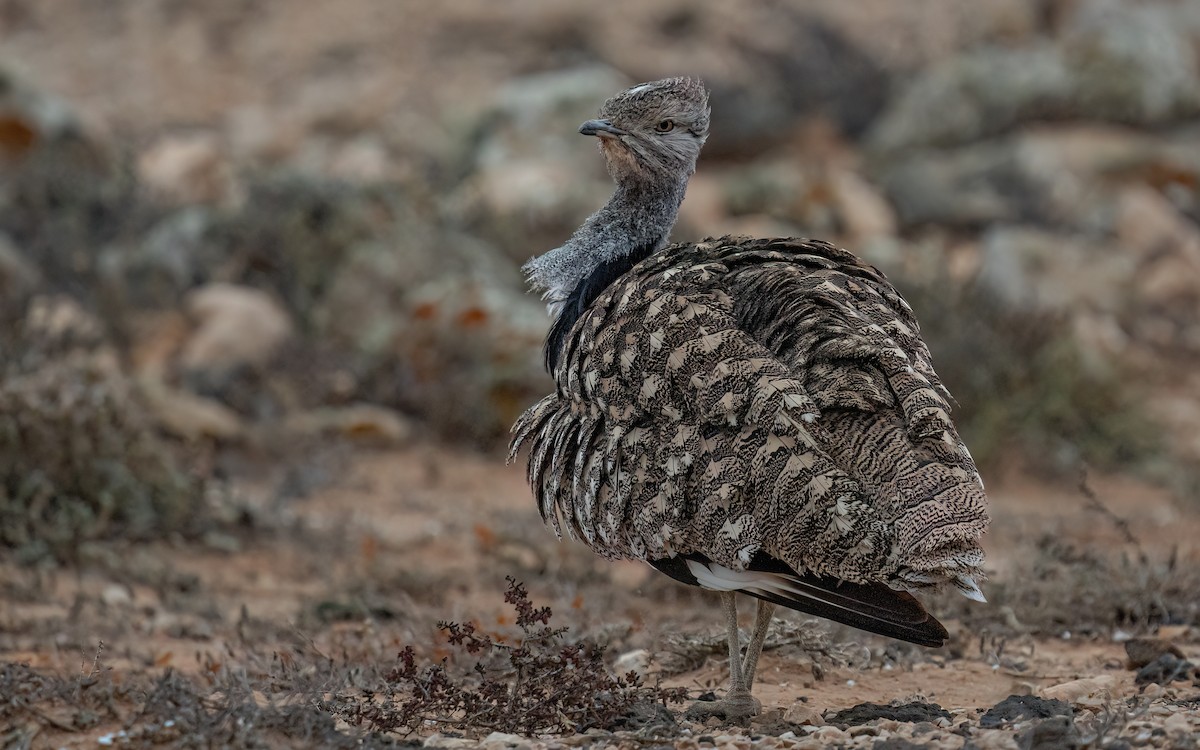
(1133,62)
(236,327)
(803,714)
(636,661)
(794,67)
(1115,63)
(863,213)
(366,300)
(188,416)
(1057,176)
(367,423)
(498,740)
(467,358)
(1018,708)
(1167,246)
(1031,269)
(31,117)
(1142,651)
(187,168)
(174,254)
(1055,733)
(19,279)
(531,178)
(1076,691)
(116,595)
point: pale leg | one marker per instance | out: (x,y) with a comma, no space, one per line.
(762,621)
(737,705)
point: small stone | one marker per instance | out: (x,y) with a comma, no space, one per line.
(1177,725)
(1142,651)
(115,595)
(442,741)
(863,210)
(1055,733)
(237,326)
(1015,708)
(502,739)
(1076,690)
(916,711)
(831,734)
(189,416)
(1175,632)
(369,423)
(637,661)
(802,714)
(187,169)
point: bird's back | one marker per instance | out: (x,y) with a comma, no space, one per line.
(741,397)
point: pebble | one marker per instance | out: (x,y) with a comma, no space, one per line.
(1076,690)
(502,739)
(115,595)
(637,661)
(803,714)
(1177,724)
(442,741)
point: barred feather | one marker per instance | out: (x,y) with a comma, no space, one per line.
(737,396)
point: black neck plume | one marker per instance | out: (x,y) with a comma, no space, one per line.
(584,294)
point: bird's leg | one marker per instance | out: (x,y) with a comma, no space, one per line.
(762,621)
(737,705)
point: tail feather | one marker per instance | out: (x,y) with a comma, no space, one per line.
(873,607)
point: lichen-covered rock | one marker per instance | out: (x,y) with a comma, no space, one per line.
(466,358)
(530,178)
(1115,62)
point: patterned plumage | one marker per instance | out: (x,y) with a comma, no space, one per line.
(758,416)
(736,396)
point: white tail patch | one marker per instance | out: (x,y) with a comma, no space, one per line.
(968,588)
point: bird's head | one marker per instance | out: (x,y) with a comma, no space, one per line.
(653,131)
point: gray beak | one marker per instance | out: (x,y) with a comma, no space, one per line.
(601,128)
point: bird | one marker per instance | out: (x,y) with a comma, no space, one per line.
(754,416)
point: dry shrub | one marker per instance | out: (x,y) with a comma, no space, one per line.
(1027,389)
(540,683)
(1056,587)
(79,460)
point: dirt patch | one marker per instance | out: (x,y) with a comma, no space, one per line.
(314,606)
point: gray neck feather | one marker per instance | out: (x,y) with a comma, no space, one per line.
(637,214)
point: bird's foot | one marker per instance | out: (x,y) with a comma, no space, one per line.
(735,708)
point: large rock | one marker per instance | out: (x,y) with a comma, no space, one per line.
(1054,176)
(467,358)
(187,168)
(1166,285)
(530,178)
(236,327)
(1032,269)
(1115,62)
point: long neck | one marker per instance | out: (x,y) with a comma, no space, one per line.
(638,214)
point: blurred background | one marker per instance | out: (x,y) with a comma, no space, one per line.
(260,307)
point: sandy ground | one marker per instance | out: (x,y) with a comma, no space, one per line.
(400,539)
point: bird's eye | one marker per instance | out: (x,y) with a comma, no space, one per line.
(666,126)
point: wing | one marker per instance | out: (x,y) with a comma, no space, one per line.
(701,406)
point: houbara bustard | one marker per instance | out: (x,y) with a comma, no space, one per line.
(747,415)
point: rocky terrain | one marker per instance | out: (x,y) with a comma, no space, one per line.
(263,332)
